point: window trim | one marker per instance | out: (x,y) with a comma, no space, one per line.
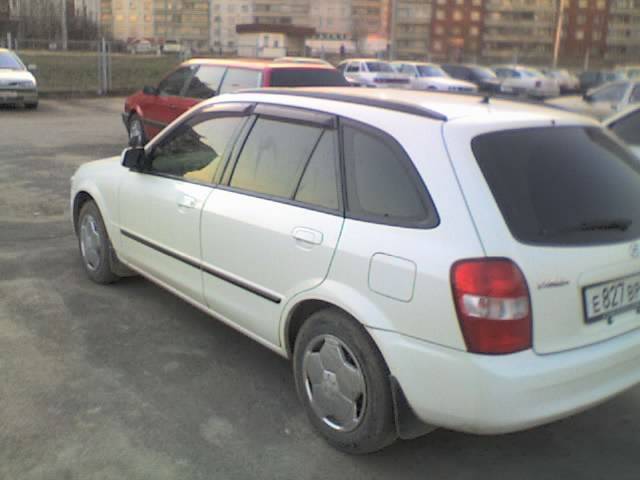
(197,118)
(433,219)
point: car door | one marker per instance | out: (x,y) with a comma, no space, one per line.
(270,229)
(168,103)
(160,208)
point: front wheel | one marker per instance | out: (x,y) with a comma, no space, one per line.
(343,383)
(95,246)
(137,136)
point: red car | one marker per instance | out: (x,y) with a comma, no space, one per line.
(150,110)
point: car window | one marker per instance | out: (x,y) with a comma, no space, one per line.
(379,67)
(274,156)
(173,84)
(562,185)
(319,182)
(239,78)
(628,128)
(635,95)
(353,67)
(609,93)
(196,150)
(307,77)
(9,61)
(431,71)
(382,183)
(205,83)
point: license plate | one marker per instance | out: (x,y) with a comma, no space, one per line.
(8,94)
(608,299)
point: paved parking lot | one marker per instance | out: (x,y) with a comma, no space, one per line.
(129,382)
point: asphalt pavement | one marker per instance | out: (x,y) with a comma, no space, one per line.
(128,382)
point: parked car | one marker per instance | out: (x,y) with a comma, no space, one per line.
(18,86)
(527,81)
(305,60)
(150,110)
(626,125)
(423,259)
(141,46)
(172,46)
(372,73)
(603,101)
(629,71)
(483,77)
(567,81)
(429,76)
(594,78)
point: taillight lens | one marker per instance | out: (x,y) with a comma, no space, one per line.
(492,302)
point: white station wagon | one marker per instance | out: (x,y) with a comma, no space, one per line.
(426,260)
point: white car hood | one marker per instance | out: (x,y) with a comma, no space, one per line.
(9,76)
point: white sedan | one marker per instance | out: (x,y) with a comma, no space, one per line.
(520,80)
(429,76)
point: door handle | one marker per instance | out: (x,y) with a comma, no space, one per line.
(307,236)
(187,202)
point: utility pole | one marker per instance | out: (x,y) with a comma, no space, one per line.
(556,43)
(63,24)
(393,30)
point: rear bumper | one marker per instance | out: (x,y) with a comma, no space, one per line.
(507,393)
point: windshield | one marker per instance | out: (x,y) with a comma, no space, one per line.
(484,73)
(431,71)
(9,61)
(379,67)
(307,77)
(562,185)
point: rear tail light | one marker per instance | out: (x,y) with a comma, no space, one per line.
(492,302)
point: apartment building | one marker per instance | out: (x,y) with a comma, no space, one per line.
(87,8)
(623,31)
(456,28)
(412,28)
(184,20)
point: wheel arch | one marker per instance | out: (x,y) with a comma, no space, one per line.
(80,198)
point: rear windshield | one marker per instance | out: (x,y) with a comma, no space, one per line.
(307,77)
(563,185)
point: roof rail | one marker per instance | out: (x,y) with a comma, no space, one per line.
(394,105)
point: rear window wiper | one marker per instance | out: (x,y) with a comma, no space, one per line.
(621,224)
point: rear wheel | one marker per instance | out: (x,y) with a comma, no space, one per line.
(137,137)
(343,383)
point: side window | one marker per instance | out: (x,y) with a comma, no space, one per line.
(613,93)
(382,183)
(173,84)
(635,94)
(274,156)
(195,151)
(205,83)
(353,67)
(239,78)
(407,69)
(319,182)
(628,128)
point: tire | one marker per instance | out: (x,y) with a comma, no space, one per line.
(95,246)
(135,128)
(31,106)
(334,354)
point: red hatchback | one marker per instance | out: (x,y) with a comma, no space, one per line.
(150,110)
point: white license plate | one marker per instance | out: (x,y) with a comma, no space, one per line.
(8,94)
(608,299)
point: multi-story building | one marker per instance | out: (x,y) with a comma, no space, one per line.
(184,20)
(412,28)
(584,29)
(456,28)
(334,27)
(623,31)
(87,8)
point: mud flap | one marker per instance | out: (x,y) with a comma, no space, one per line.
(408,425)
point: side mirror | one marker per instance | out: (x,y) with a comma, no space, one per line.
(134,158)
(32,67)
(147,90)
